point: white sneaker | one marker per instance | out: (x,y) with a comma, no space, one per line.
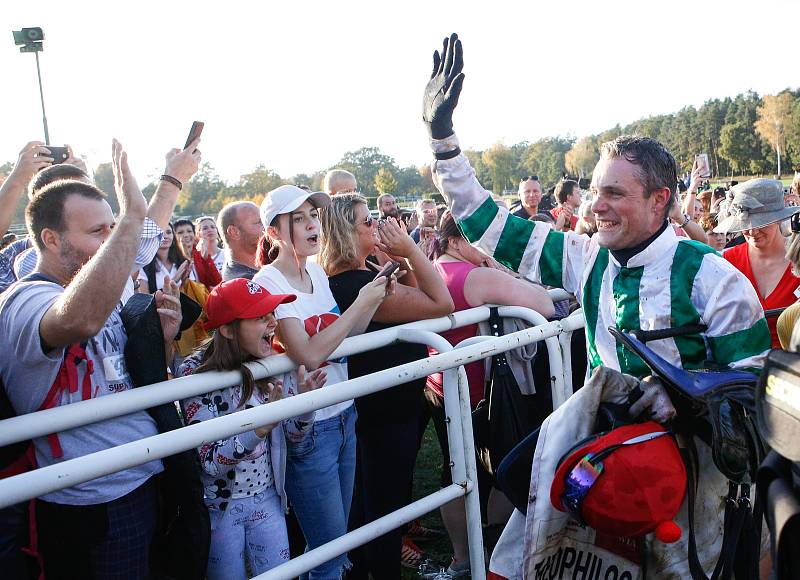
(460,570)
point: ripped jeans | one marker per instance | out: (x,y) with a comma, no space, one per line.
(251,527)
(320,473)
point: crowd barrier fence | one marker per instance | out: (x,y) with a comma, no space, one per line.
(450,361)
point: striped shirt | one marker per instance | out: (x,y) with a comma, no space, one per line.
(672,282)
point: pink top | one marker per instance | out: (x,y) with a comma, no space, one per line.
(455,276)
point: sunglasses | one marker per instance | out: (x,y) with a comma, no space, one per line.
(529,177)
(368,221)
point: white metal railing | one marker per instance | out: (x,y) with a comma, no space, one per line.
(450,361)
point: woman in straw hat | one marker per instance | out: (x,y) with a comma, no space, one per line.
(757,210)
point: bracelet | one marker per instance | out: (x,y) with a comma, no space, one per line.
(172,180)
(686,220)
(447,154)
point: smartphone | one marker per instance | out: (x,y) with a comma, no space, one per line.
(59,154)
(194,132)
(388,269)
(703,165)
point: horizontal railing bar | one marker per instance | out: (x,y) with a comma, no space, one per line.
(364,534)
(72,472)
(68,417)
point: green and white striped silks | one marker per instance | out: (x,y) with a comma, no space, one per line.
(673,282)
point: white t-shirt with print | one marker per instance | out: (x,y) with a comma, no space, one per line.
(315,311)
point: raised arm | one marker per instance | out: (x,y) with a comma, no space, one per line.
(88,300)
(312,351)
(32,158)
(181,166)
(531,248)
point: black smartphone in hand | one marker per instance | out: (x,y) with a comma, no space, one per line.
(59,154)
(388,269)
(194,133)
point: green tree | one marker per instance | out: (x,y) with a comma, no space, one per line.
(581,159)
(737,146)
(774,117)
(499,160)
(202,194)
(545,158)
(365,163)
(104,179)
(385,181)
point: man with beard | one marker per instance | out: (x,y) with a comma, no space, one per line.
(240,224)
(387,206)
(62,341)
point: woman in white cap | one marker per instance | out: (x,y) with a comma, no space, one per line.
(757,210)
(321,468)
(244,475)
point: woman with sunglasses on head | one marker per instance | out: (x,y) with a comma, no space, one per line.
(388,427)
(244,474)
(321,468)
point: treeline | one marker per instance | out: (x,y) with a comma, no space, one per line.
(745,135)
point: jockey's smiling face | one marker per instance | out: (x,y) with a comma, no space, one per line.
(625,217)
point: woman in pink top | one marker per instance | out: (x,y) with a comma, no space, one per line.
(471,285)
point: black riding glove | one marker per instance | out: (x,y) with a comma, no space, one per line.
(441,94)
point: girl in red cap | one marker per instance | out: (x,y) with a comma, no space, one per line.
(244,474)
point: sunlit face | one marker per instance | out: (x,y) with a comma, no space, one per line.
(87,225)
(388,206)
(305,229)
(427,215)
(248,220)
(186,238)
(207,230)
(697,210)
(624,216)
(762,237)
(716,241)
(166,240)
(530,193)
(255,335)
(366,235)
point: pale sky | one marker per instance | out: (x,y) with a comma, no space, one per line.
(294,85)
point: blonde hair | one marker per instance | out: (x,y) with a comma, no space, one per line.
(338,250)
(793,253)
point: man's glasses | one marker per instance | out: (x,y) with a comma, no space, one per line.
(529,177)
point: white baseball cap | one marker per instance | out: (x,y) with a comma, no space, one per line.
(287,198)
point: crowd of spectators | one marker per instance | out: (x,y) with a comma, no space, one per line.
(295,275)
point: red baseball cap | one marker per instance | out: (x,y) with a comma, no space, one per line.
(240,298)
(627,482)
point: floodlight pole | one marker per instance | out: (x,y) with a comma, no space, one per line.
(41,95)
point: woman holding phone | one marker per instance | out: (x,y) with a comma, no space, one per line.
(321,468)
(388,427)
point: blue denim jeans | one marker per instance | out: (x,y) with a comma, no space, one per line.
(319,482)
(252,529)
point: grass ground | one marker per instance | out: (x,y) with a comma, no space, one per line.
(426,481)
